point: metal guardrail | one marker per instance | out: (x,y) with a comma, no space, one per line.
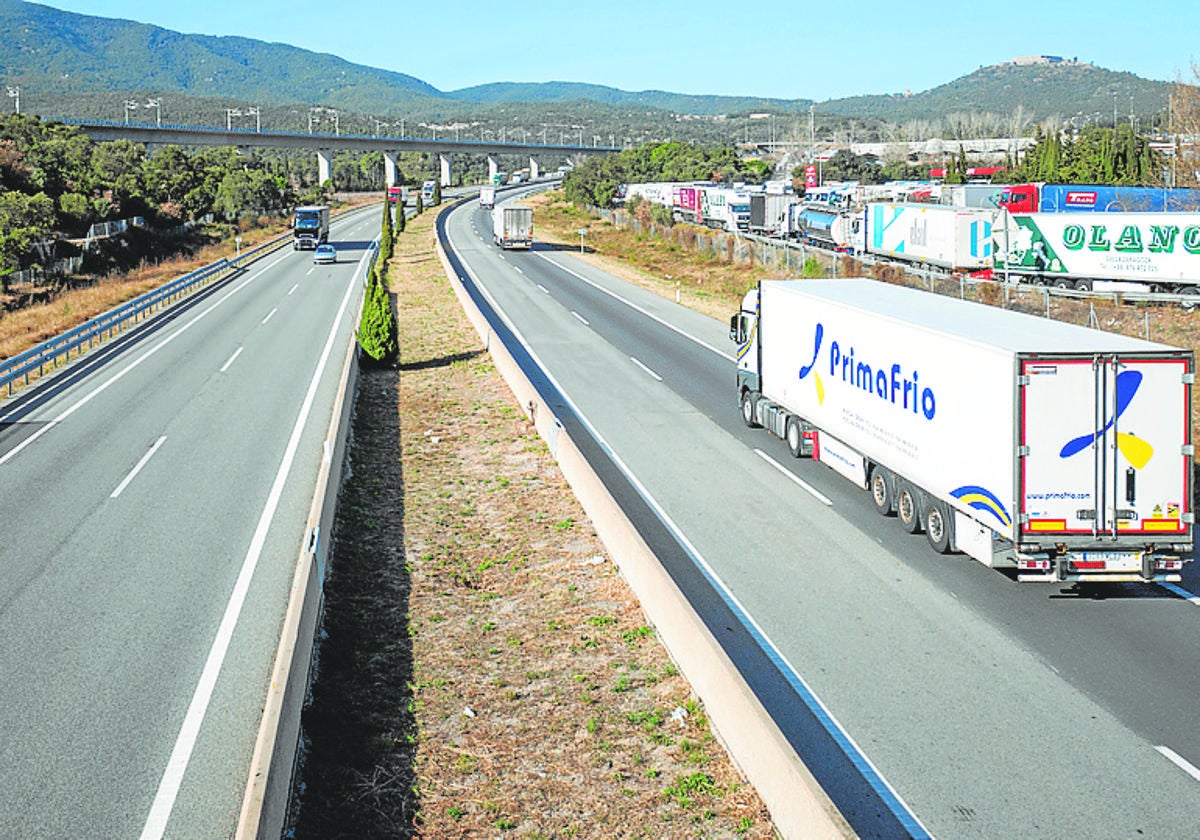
(78,339)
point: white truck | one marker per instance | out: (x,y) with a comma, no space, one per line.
(769,213)
(310,227)
(1158,251)
(955,238)
(725,209)
(487,196)
(428,191)
(1055,451)
(512,226)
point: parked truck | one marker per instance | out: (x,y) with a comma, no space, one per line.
(1085,198)
(512,226)
(310,227)
(1159,251)
(955,238)
(826,226)
(724,209)
(487,196)
(1051,450)
(769,213)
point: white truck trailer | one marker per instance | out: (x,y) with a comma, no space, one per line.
(1057,451)
(512,226)
(955,238)
(1160,251)
(487,196)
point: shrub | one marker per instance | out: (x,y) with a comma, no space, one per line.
(377,335)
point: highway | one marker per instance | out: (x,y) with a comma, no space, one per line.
(989,708)
(155,497)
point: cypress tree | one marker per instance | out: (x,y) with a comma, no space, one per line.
(437,192)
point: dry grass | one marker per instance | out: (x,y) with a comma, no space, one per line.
(536,702)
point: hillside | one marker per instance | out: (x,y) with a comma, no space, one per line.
(1041,90)
(77,65)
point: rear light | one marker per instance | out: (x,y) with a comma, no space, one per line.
(1033,565)
(1169,565)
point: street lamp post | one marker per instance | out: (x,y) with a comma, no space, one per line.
(14,92)
(379,124)
(156,104)
(129,104)
(230,113)
(257,112)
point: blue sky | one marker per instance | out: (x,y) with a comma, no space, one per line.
(819,51)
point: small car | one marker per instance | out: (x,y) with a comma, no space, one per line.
(325,254)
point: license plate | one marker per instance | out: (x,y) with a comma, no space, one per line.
(1114,561)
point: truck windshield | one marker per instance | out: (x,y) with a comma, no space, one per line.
(307,220)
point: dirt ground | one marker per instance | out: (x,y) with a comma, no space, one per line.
(486,672)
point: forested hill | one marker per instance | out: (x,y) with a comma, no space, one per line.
(56,56)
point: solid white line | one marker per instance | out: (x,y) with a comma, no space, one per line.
(543,288)
(637,308)
(1180,762)
(269,314)
(814,492)
(580,318)
(294,288)
(227,365)
(168,788)
(643,367)
(517,269)
(12,453)
(679,535)
(137,468)
(1181,592)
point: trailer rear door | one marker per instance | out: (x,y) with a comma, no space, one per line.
(1105,448)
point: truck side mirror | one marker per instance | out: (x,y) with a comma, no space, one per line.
(736,331)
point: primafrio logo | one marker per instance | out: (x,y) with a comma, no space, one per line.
(1136,450)
(894,384)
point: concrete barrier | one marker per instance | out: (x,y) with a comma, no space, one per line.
(265,802)
(798,806)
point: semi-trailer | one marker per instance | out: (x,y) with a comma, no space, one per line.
(512,226)
(769,213)
(1055,451)
(954,238)
(310,227)
(1161,251)
(1093,198)
(487,196)
(724,209)
(826,226)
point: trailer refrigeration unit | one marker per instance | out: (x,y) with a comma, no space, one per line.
(1057,451)
(1159,251)
(512,226)
(310,227)
(955,238)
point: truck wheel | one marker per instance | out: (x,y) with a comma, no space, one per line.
(908,507)
(1083,285)
(795,437)
(938,527)
(881,484)
(748,400)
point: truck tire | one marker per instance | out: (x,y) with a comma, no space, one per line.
(1083,285)
(794,436)
(882,486)
(908,507)
(748,401)
(939,527)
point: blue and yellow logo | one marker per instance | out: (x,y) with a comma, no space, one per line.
(1136,451)
(983,499)
(811,367)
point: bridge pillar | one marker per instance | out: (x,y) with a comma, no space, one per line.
(324,168)
(493,168)
(444,160)
(389,168)
(534,169)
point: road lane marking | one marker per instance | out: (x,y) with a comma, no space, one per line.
(543,288)
(1180,762)
(1181,592)
(294,288)
(812,491)
(116,377)
(580,318)
(269,314)
(646,369)
(637,308)
(517,269)
(172,778)
(137,468)
(236,353)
